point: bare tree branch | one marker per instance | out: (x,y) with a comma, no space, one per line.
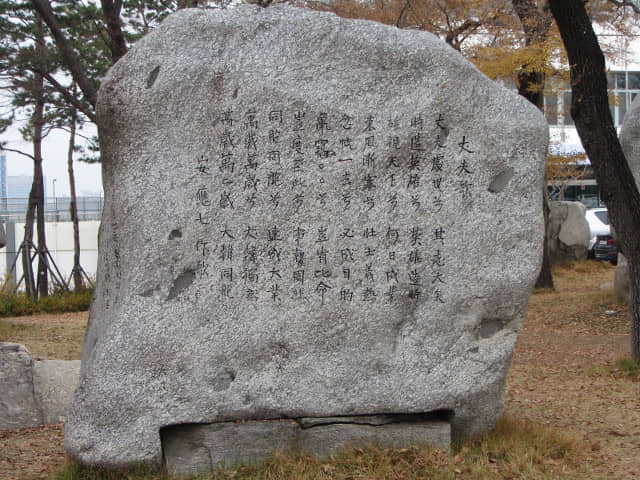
(70,98)
(19,152)
(403,13)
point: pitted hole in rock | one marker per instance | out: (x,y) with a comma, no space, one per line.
(223,380)
(488,327)
(500,181)
(153,75)
(175,233)
(149,293)
(180,284)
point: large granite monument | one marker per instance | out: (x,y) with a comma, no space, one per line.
(315,229)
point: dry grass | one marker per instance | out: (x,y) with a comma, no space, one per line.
(515,449)
(47,336)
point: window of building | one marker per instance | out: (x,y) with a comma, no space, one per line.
(623,88)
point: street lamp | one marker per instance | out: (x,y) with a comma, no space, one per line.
(55,200)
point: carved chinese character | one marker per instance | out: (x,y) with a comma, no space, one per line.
(274,234)
(251,182)
(275,116)
(250,119)
(201,246)
(392,275)
(274,254)
(417,122)
(226,118)
(225,200)
(322,124)
(464,145)
(346,255)
(369,295)
(322,288)
(323,235)
(226,233)
(346,122)
(202,195)
(346,295)
(463,168)
(226,252)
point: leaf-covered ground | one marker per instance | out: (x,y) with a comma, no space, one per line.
(565,376)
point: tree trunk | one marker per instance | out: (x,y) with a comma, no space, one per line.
(27,242)
(536,25)
(78,284)
(117,44)
(590,112)
(37,188)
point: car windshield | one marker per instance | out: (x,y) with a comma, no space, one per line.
(603,216)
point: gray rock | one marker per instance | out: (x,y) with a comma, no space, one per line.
(18,405)
(54,382)
(32,392)
(568,232)
(621,280)
(192,449)
(415,201)
(630,139)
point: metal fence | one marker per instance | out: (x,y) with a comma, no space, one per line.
(56,209)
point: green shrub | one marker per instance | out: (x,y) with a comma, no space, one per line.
(17,304)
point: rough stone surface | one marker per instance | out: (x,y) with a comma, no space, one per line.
(568,232)
(18,406)
(325,440)
(630,138)
(630,141)
(32,392)
(54,382)
(190,449)
(621,281)
(305,216)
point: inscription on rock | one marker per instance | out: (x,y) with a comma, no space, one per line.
(347,187)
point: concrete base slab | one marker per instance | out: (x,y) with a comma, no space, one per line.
(190,449)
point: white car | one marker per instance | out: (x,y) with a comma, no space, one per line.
(598,219)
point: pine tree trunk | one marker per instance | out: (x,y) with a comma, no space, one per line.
(592,117)
(27,242)
(536,25)
(78,284)
(37,189)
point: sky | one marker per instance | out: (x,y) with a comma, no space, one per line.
(88,176)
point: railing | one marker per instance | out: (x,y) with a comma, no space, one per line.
(56,209)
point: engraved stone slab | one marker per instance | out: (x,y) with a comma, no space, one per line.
(305,216)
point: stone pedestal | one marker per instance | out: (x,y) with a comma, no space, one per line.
(190,449)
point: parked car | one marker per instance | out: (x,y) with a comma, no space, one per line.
(602,246)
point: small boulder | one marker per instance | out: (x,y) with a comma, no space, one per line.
(568,232)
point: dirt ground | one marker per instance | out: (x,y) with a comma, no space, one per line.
(564,375)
